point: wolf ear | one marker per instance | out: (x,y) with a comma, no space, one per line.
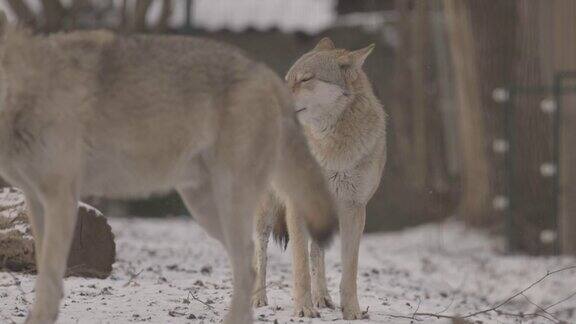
(3,22)
(325,44)
(357,57)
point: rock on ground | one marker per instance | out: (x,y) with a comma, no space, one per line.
(93,249)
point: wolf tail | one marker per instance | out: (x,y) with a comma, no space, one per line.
(298,177)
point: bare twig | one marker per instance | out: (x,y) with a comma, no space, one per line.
(445,309)
(18,285)
(194,297)
(561,301)
(540,308)
(507,300)
(415,316)
(200,301)
(417,308)
(523,315)
(496,308)
(132,278)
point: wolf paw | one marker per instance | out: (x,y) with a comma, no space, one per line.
(306,311)
(259,299)
(238,318)
(32,319)
(323,301)
(354,313)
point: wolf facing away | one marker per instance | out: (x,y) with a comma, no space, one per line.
(345,126)
(93,113)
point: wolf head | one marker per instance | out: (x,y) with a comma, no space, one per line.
(325,81)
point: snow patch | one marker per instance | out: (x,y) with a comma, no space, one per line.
(170,271)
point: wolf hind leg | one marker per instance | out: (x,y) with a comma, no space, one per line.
(301,290)
(259,297)
(267,215)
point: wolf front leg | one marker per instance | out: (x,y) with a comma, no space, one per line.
(60,210)
(303,306)
(320,295)
(352,220)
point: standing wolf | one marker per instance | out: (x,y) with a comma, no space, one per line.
(346,129)
(91,113)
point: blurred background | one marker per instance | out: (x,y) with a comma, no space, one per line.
(481,94)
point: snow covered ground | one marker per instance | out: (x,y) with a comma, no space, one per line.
(169,271)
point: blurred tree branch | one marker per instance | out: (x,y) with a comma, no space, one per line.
(401,82)
(59,15)
(76,9)
(419,54)
(474,201)
(417,144)
(139,21)
(164,16)
(347,6)
(23,12)
(532,142)
(564,58)
(124,16)
(494,28)
(54,14)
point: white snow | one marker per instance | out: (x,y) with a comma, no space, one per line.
(169,271)
(11,197)
(311,16)
(13,204)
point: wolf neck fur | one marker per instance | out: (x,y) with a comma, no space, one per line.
(349,137)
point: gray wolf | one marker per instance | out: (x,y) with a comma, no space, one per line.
(345,126)
(93,113)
